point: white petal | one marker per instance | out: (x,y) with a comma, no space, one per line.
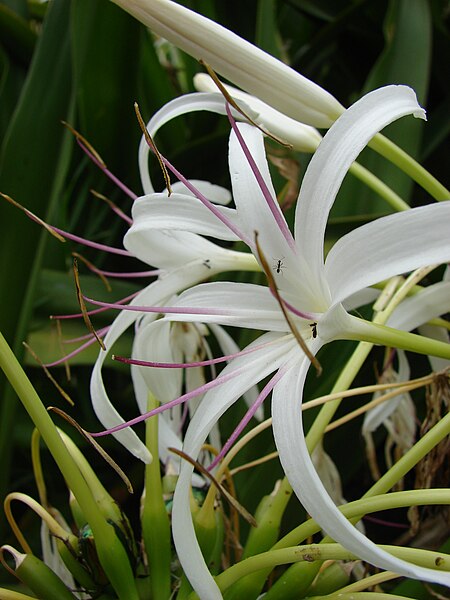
(294,456)
(431,302)
(239,61)
(229,346)
(251,205)
(229,303)
(330,163)
(153,342)
(255,215)
(215,193)
(175,108)
(389,246)
(152,295)
(360,298)
(303,138)
(255,367)
(168,249)
(177,212)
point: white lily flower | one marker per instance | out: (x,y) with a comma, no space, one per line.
(188,258)
(314,291)
(241,62)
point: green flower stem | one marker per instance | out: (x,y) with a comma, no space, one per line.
(155,520)
(107,506)
(342,383)
(362,351)
(394,338)
(409,460)
(296,581)
(408,165)
(269,514)
(321,552)
(379,187)
(355,510)
(370,581)
(111,553)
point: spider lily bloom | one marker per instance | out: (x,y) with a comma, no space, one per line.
(244,64)
(186,257)
(313,290)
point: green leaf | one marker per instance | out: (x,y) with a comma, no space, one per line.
(406,59)
(33,154)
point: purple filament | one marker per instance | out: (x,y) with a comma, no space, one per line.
(184,398)
(273,206)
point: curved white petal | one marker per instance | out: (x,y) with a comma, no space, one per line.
(175,108)
(215,193)
(229,346)
(229,303)
(253,210)
(330,163)
(255,215)
(389,246)
(252,369)
(153,342)
(152,295)
(303,138)
(431,302)
(167,427)
(178,212)
(168,249)
(360,298)
(239,61)
(294,456)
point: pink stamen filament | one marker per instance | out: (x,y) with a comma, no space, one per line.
(385,523)
(119,212)
(298,313)
(184,398)
(95,311)
(190,365)
(87,336)
(212,207)
(182,310)
(107,172)
(78,350)
(130,274)
(85,242)
(273,206)
(247,417)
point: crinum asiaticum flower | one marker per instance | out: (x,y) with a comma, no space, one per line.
(314,291)
(244,64)
(185,259)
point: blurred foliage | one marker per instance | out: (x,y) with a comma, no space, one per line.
(86,62)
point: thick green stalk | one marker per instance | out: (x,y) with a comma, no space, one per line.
(378,186)
(321,552)
(111,553)
(155,520)
(408,165)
